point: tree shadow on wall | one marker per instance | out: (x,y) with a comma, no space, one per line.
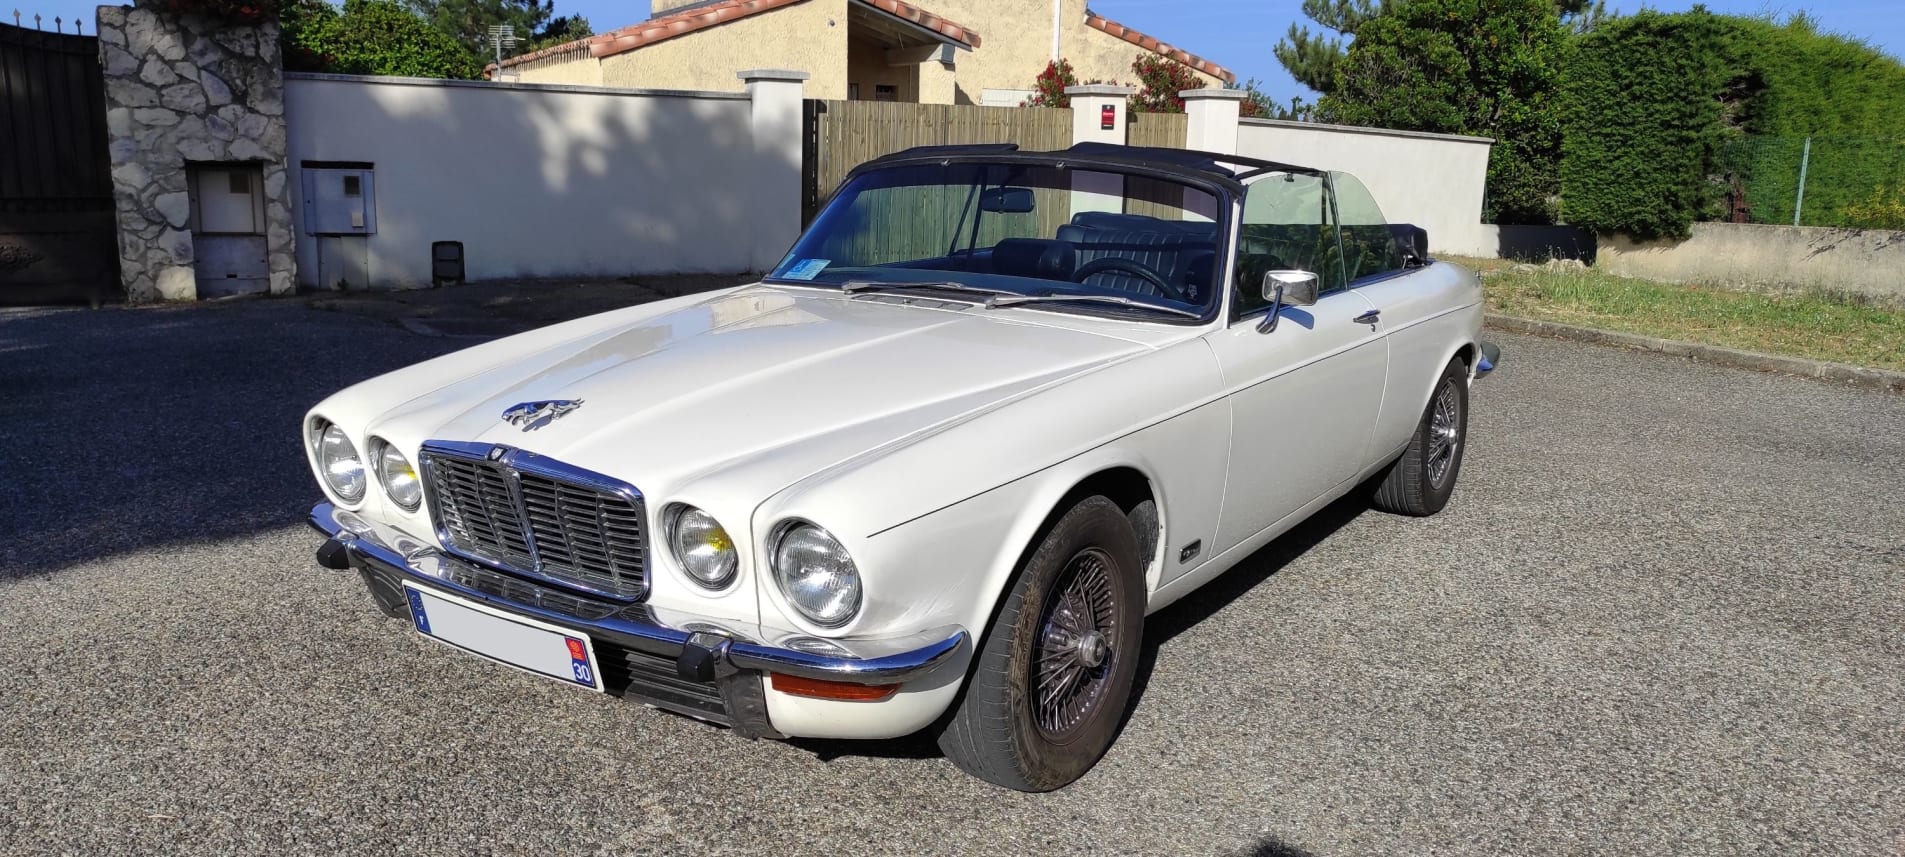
(136,429)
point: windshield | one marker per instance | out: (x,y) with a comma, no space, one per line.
(1098,243)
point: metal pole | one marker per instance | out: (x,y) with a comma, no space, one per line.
(1805,158)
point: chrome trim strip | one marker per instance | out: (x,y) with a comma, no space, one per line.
(515,463)
(886,660)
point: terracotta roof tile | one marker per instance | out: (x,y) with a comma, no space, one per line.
(1099,22)
(916,15)
(666,27)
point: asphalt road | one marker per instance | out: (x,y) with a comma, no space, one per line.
(1665,613)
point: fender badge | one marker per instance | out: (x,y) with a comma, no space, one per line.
(534,415)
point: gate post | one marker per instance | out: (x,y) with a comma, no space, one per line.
(776,120)
(1100,113)
(1213,115)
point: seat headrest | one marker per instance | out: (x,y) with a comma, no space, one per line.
(1111,220)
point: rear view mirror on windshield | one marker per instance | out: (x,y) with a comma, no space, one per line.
(1006,200)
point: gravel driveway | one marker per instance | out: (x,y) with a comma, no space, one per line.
(1663,614)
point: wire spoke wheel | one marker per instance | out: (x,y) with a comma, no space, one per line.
(1445,434)
(1076,646)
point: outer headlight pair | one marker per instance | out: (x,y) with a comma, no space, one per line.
(816,574)
(337,462)
(810,566)
(344,472)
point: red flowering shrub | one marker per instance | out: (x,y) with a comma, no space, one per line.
(1159,81)
(1051,85)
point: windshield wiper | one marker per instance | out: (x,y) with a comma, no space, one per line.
(1016,299)
(857,286)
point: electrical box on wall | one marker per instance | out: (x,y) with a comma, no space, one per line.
(339,199)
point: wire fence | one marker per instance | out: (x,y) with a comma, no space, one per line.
(1815,181)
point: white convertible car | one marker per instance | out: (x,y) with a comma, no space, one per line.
(933,472)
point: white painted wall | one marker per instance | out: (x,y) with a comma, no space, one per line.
(1433,181)
(539,181)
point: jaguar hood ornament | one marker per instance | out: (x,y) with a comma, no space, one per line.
(534,415)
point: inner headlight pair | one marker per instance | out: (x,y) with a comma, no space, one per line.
(345,474)
(810,566)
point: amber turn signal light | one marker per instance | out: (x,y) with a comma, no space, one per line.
(819,689)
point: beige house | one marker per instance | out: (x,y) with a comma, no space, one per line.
(956,52)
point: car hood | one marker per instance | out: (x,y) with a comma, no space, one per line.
(781,383)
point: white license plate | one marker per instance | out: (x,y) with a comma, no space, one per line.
(526,644)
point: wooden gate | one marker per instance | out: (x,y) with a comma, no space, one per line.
(842,135)
(57,231)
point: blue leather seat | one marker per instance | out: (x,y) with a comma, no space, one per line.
(1183,252)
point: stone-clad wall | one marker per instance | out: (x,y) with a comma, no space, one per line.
(185,89)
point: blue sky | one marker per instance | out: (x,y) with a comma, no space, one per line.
(1238,33)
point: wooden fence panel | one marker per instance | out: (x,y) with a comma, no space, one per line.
(845,134)
(1160,130)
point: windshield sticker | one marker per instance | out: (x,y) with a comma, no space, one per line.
(807,269)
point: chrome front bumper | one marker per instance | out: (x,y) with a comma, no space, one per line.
(671,657)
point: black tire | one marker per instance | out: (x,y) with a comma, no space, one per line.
(997,731)
(1421,481)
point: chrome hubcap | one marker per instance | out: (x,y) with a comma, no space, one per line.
(1091,649)
(1076,647)
(1444,434)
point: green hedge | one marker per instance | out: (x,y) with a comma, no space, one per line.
(1663,111)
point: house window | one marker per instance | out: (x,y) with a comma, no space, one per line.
(853,92)
(886,92)
(227,199)
(353,186)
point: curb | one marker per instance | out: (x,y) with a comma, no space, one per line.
(1857,376)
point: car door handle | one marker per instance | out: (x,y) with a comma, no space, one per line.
(1369,317)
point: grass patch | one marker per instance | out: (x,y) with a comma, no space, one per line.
(1799,324)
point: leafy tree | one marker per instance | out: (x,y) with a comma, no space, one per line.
(468,21)
(376,37)
(560,30)
(1483,67)
(1582,16)
(1312,57)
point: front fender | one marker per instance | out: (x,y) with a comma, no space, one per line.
(934,521)
(957,563)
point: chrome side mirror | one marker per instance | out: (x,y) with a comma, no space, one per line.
(1287,288)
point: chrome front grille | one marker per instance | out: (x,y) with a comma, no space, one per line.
(529,514)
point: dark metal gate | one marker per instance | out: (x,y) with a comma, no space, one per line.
(57,232)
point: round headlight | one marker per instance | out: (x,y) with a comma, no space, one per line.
(337,461)
(817,575)
(702,548)
(399,479)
